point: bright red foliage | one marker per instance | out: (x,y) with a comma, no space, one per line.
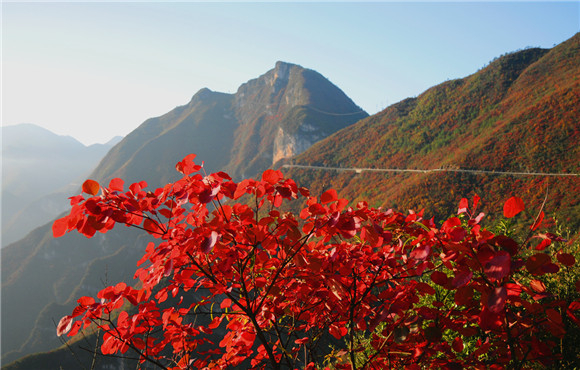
(513,206)
(254,286)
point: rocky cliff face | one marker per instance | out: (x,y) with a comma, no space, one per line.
(279,115)
(272,93)
(286,146)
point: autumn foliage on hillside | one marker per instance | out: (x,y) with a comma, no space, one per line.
(331,287)
(518,114)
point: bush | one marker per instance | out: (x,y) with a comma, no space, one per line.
(333,286)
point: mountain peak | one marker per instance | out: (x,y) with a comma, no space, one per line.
(282,70)
(282,64)
(203,95)
(274,116)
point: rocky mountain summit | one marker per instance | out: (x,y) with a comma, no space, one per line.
(275,116)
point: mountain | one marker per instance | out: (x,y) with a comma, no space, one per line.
(38,169)
(518,114)
(277,115)
(272,117)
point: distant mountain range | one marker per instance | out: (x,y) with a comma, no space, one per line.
(39,169)
(275,116)
(518,114)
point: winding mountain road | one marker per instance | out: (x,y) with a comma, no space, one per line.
(481,172)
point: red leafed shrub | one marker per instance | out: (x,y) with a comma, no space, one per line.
(249,285)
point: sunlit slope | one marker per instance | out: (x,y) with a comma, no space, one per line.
(518,114)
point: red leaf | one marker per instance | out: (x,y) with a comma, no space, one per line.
(496,300)
(499,266)
(302,340)
(187,165)
(461,278)
(139,343)
(116,184)
(476,200)
(534,263)
(538,222)
(506,243)
(86,301)
(348,225)
(78,310)
(457,234)
(513,290)
(152,227)
(60,227)
(337,289)
(457,344)
(215,322)
(513,206)
(550,268)
(463,205)
(463,296)
(566,259)
(328,196)
(543,245)
(272,176)
(207,195)
(64,325)
(439,278)
(337,331)
(208,242)
(490,320)
(538,286)
(425,288)
(91,187)
(421,252)
(241,189)
(450,223)
(226,303)
(76,199)
(137,187)
(554,316)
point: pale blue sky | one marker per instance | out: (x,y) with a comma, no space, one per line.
(96,70)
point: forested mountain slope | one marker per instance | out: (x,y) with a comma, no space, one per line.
(518,114)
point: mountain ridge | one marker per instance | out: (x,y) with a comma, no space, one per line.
(244,125)
(526,121)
